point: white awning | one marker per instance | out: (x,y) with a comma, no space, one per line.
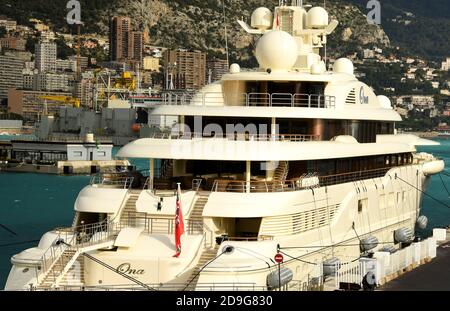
(229,150)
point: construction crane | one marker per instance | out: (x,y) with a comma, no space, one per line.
(75,102)
(78,26)
(126,81)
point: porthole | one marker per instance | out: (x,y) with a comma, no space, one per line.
(25,270)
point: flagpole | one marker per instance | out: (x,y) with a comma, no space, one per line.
(179,223)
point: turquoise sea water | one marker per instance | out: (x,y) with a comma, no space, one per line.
(32,204)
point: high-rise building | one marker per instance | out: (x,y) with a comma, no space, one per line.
(125,44)
(216,68)
(119,38)
(51,82)
(28,78)
(84,91)
(45,56)
(10,74)
(185,69)
(28,103)
(66,65)
(137,46)
(84,61)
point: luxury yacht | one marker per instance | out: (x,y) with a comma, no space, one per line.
(289,159)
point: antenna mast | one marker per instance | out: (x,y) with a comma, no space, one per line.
(226,33)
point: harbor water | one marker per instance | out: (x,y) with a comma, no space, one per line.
(32,204)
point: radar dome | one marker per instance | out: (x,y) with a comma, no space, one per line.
(384,101)
(343,65)
(235,68)
(317,17)
(277,50)
(262,19)
(318,68)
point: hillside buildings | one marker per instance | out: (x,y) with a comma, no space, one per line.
(125,45)
(45,56)
(216,68)
(446,64)
(12,43)
(10,74)
(8,23)
(29,104)
(185,69)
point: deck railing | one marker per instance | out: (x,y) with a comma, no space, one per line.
(72,238)
(219,286)
(245,99)
(239,136)
(158,225)
(112,181)
(306,181)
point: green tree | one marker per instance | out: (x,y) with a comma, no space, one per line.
(30,44)
(62,49)
(3,31)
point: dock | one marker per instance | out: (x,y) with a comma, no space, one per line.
(431,276)
(79,156)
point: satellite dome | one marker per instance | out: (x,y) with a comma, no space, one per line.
(277,50)
(343,65)
(384,101)
(318,68)
(262,18)
(235,68)
(317,17)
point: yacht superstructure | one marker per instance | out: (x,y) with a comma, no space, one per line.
(289,157)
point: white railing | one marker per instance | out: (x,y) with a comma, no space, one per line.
(385,264)
(406,257)
(238,136)
(166,287)
(245,99)
(350,273)
(112,181)
(73,238)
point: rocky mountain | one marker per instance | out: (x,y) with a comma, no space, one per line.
(417,26)
(196,24)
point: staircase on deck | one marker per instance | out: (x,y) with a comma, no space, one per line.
(197,211)
(280,175)
(129,216)
(207,256)
(66,260)
(281,172)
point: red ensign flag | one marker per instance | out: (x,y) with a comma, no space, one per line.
(179,224)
